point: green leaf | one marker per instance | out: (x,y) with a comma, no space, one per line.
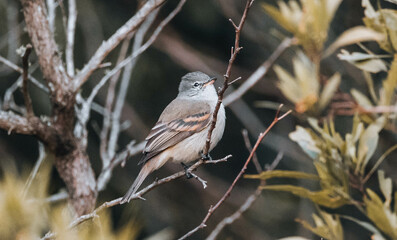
(324,198)
(282,174)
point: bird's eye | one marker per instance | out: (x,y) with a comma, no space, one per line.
(196,84)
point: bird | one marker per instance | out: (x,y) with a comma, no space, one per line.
(180,133)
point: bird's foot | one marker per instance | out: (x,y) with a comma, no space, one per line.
(205,157)
(187,172)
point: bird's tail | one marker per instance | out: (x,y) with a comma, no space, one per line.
(145,171)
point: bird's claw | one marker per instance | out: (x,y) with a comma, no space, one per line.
(205,157)
(187,172)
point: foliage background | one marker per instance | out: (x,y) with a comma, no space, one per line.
(201,29)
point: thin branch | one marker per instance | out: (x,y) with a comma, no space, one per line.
(25,72)
(145,46)
(51,6)
(249,147)
(246,205)
(130,150)
(234,51)
(60,196)
(378,162)
(109,103)
(236,215)
(20,70)
(242,171)
(259,73)
(13,38)
(35,170)
(123,89)
(107,46)
(138,195)
(64,17)
(71,28)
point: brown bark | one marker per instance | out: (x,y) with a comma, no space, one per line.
(71,160)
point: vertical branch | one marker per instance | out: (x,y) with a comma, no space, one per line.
(25,73)
(51,14)
(71,28)
(109,103)
(234,51)
(115,129)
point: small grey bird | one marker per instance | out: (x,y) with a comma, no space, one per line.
(181,132)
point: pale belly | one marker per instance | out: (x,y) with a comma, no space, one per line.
(189,149)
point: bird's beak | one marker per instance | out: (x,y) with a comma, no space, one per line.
(210,82)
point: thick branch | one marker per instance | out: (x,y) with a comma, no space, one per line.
(107,46)
(46,49)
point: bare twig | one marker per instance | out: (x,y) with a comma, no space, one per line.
(35,170)
(20,70)
(246,205)
(51,6)
(13,38)
(139,195)
(123,89)
(234,51)
(107,46)
(136,53)
(242,171)
(130,150)
(60,196)
(109,103)
(26,96)
(71,27)
(236,215)
(259,73)
(249,147)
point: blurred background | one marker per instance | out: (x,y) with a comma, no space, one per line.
(197,39)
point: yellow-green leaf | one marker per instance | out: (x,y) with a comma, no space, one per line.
(327,226)
(368,143)
(282,174)
(366,62)
(361,99)
(329,90)
(386,186)
(324,198)
(380,214)
(354,35)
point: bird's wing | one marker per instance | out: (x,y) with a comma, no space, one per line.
(188,118)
